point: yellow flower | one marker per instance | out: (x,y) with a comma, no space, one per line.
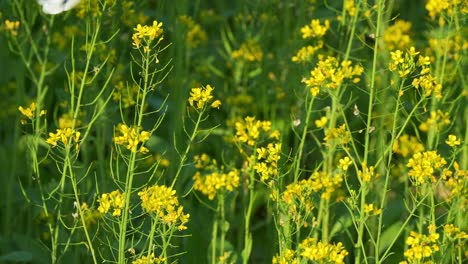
(423,166)
(320,123)
(147,34)
(162,201)
(201,96)
(330,73)
(29,112)
(397,36)
(129,137)
(249,51)
(344,163)
(407,145)
(453,141)
(369,208)
(214,179)
(11,27)
(195,35)
(114,200)
(421,246)
(66,136)
(314,29)
(322,252)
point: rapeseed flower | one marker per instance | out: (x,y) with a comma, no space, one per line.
(338,135)
(114,200)
(322,252)
(201,96)
(144,35)
(344,163)
(370,209)
(421,246)
(267,161)
(288,257)
(162,201)
(210,179)
(151,259)
(131,139)
(249,51)
(195,35)
(315,29)
(11,27)
(456,183)
(66,136)
(249,130)
(407,145)
(330,73)
(452,141)
(437,121)
(397,36)
(367,173)
(29,112)
(423,166)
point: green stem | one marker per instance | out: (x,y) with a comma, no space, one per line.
(247,235)
(183,158)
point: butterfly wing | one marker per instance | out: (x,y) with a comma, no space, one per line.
(57,6)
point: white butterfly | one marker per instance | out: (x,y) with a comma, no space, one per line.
(57,6)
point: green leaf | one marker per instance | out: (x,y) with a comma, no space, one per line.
(17,256)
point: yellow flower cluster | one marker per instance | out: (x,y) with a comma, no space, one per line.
(149,260)
(114,200)
(405,63)
(367,173)
(370,209)
(249,130)
(338,135)
(407,145)
(201,96)
(456,183)
(312,250)
(436,121)
(288,257)
(11,27)
(429,84)
(325,183)
(454,47)
(454,232)
(314,29)
(195,35)
(350,7)
(66,120)
(216,180)
(397,36)
(421,246)
(29,112)
(296,201)
(267,161)
(249,51)
(322,252)
(162,201)
(147,34)
(66,135)
(423,166)
(304,54)
(436,7)
(129,137)
(330,73)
